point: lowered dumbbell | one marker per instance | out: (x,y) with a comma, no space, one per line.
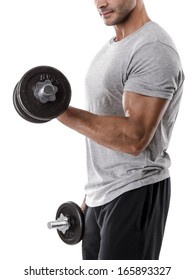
(43,93)
(69,223)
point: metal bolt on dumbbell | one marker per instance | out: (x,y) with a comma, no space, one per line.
(62,224)
(45,91)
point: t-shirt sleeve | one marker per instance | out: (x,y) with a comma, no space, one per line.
(154,70)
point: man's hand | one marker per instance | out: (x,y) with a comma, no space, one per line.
(83,205)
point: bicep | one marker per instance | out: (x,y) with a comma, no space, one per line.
(145,112)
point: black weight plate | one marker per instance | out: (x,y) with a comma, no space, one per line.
(21,112)
(31,105)
(76,218)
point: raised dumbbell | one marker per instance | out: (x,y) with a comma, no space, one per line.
(43,93)
(69,223)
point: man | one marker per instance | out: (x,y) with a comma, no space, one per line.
(133,87)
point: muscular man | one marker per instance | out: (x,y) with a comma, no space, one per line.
(133,88)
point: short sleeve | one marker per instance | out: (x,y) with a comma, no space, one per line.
(155,70)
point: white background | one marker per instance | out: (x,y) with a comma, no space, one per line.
(43,165)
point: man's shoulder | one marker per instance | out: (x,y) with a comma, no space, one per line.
(149,34)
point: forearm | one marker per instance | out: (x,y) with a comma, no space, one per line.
(115,132)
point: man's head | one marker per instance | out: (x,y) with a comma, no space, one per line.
(115,12)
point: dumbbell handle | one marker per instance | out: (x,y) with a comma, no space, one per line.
(62,224)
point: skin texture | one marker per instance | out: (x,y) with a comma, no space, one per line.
(132,133)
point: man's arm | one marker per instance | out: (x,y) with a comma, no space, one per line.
(130,134)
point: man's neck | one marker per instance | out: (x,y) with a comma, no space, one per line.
(136,20)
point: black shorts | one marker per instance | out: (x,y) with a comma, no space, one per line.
(130,227)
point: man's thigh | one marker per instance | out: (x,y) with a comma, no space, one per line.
(134,224)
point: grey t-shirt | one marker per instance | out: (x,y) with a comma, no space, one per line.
(146,62)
